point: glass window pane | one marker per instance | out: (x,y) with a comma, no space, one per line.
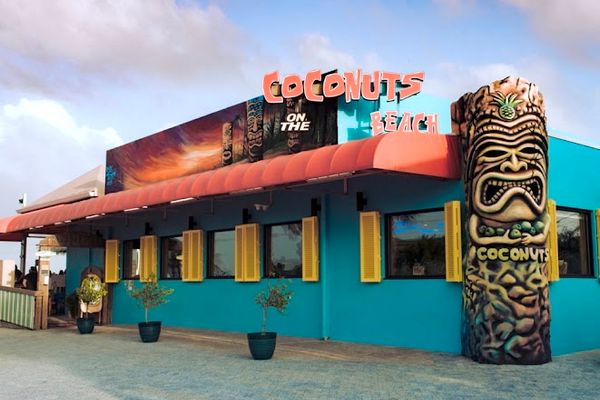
(572,229)
(222,257)
(171,257)
(131,259)
(284,250)
(416,244)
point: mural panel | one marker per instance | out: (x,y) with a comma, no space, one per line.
(246,132)
(505,162)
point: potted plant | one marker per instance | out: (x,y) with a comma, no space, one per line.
(90,292)
(149,296)
(262,344)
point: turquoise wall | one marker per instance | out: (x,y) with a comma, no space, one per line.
(77,260)
(415,313)
(575,302)
(354,118)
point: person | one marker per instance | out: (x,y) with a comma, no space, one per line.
(18,277)
(30,281)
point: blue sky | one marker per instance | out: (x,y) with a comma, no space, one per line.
(77,78)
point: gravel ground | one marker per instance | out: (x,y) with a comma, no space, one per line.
(113,364)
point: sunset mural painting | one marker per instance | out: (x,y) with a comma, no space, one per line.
(505,294)
(246,132)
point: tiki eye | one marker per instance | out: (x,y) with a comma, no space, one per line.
(529,150)
(492,153)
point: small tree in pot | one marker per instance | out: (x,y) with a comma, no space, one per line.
(90,292)
(149,296)
(262,344)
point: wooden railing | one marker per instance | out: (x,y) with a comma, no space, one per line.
(22,307)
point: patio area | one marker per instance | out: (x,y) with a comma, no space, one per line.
(112,363)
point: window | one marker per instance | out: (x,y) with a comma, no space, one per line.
(283,250)
(221,257)
(573,229)
(415,245)
(171,257)
(131,259)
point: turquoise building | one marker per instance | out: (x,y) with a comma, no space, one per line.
(398,182)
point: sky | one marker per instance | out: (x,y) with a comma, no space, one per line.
(80,77)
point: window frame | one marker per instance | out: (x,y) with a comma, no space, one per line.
(162,241)
(210,244)
(266,247)
(125,257)
(588,243)
(388,244)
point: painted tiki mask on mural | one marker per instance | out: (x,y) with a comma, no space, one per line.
(505,148)
(254,136)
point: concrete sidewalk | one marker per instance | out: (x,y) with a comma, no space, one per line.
(191,364)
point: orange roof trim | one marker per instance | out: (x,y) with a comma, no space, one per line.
(412,153)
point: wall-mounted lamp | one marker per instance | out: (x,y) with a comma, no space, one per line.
(246,216)
(148,229)
(361,201)
(315,207)
(191,222)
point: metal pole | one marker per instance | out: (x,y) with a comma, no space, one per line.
(23,257)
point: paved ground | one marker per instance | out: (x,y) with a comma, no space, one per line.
(113,364)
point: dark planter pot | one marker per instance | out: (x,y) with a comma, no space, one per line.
(262,345)
(85,325)
(149,331)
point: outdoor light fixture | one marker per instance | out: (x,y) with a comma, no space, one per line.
(315,207)
(148,229)
(361,201)
(246,216)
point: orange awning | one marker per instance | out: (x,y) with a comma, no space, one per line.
(411,153)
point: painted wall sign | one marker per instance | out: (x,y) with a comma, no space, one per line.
(247,132)
(354,86)
(505,163)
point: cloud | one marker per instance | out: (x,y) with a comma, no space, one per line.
(48,44)
(573,26)
(43,146)
(452,80)
(316,51)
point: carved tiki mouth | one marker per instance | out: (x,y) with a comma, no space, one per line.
(495,189)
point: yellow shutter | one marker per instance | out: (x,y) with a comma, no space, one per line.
(239,253)
(148,257)
(552,243)
(453,249)
(111,261)
(598,238)
(310,249)
(370,247)
(247,263)
(193,256)
(251,253)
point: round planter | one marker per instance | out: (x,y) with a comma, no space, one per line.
(262,345)
(149,331)
(85,325)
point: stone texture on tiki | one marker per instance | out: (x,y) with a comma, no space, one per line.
(254,134)
(505,292)
(227,158)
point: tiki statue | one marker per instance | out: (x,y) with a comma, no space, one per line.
(506,310)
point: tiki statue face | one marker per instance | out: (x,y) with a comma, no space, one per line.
(507,165)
